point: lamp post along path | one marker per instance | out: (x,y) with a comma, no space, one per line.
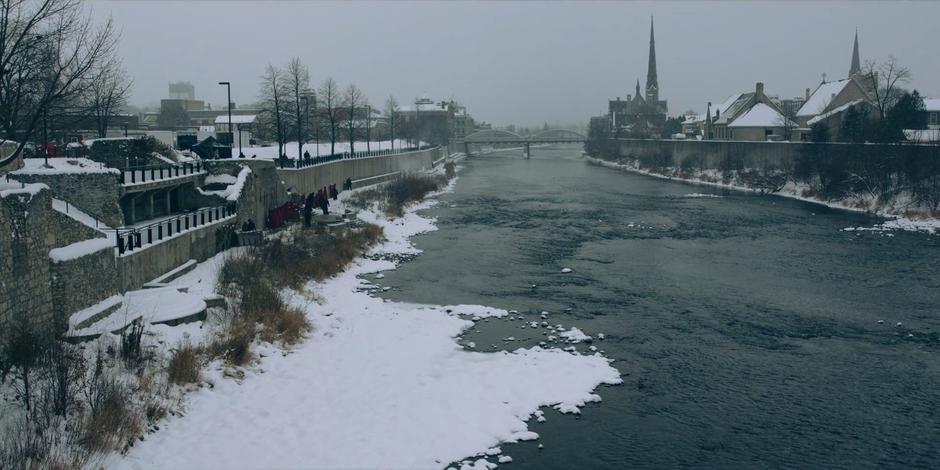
(228,86)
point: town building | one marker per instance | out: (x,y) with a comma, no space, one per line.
(828,104)
(748,116)
(641,114)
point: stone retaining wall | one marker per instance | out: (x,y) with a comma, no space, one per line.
(82,282)
(136,268)
(25,239)
(96,194)
(310,179)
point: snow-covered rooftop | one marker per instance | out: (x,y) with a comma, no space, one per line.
(62,165)
(932,104)
(723,106)
(242,119)
(821,98)
(922,135)
(410,108)
(760,115)
(833,112)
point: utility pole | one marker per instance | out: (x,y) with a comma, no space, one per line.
(300,143)
(228,85)
(316,122)
(417,122)
(45,138)
(368,127)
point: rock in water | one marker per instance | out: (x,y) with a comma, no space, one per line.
(566,270)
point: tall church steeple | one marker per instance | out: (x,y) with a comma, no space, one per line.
(856,67)
(652,83)
(638,88)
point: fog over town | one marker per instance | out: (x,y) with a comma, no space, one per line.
(520,63)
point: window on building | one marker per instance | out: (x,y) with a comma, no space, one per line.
(934,118)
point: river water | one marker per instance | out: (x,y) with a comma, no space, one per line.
(746,326)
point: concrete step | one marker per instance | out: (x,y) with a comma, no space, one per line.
(164,279)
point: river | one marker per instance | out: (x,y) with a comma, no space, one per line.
(752,331)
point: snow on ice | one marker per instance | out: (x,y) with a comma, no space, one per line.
(379,384)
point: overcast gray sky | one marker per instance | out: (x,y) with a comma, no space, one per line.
(520,62)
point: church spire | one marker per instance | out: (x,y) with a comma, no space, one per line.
(638,88)
(652,83)
(856,67)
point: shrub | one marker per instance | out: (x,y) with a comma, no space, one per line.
(234,344)
(239,269)
(289,325)
(130,343)
(184,366)
(395,195)
(110,424)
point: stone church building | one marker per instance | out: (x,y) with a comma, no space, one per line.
(641,114)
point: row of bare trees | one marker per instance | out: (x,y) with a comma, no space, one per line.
(55,59)
(292,109)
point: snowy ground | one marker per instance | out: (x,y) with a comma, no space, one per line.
(377,385)
(793,191)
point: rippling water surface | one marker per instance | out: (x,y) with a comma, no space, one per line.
(746,326)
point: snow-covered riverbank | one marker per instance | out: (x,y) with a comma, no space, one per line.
(377,385)
(896,222)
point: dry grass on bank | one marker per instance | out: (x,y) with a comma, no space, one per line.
(394,196)
(254,279)
(185,365)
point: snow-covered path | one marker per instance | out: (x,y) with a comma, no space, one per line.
(377,385)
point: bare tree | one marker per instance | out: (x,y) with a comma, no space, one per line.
(352,99)
(787,118)
(391,109)
(49,50)
(885,79)
(107,93)
(330,101)
(298,81)
(273,103)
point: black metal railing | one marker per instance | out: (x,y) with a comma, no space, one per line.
(285,162)
(131,239)
(149,173)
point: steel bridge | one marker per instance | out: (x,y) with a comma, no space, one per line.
(498,136)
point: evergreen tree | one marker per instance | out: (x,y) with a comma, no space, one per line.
(909,112)
(819,132)
(854,125)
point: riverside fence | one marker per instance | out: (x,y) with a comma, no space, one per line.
(130,239)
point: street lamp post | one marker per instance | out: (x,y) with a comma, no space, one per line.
(125,129)
(417,122)
(240,154)
(45,138)
(368,127)
(300,144)
(228,86)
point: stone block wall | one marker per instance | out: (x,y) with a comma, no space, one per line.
(712,154)
(82,282)
(96,194)
(310,179)
(69,230)
(263,191)
(25,228)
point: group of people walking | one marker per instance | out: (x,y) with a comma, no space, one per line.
(319,199)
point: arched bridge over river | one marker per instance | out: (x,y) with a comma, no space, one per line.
(502,137)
